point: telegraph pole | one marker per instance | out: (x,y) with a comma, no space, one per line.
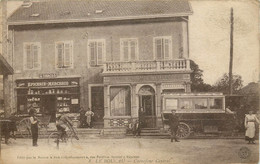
(231,53)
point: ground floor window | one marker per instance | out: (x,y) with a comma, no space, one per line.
(48,96)
(120,101)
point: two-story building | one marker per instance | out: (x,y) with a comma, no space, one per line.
(114,57)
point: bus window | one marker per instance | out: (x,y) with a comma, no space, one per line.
(185,104)
(215,103)
(200,103)
(171,104)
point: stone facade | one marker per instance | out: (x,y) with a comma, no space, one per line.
(171,75)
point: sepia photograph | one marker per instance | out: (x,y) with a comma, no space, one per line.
(129,81)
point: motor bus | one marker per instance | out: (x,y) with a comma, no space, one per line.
(198,112)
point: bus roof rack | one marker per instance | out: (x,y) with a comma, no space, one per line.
(196,94)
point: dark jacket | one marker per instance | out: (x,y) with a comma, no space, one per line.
(173,121)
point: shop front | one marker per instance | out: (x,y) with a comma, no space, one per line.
(48,96)
(139,97)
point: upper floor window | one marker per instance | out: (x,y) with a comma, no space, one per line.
(96,52)
(64,54)
(129,49)
(163,48)
(32,56)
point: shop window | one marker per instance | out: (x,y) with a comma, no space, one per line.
(215,103)
(32,56)
(96,52)
(201,103)
(163,48)
(185,104)
(129,49)
(171,104)
(64,54)
(120,101)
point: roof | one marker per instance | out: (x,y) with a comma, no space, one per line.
(252,89)
(5,68)
(62,11)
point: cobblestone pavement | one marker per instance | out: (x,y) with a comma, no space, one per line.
(131,150)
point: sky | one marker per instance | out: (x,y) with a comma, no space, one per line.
(209,37)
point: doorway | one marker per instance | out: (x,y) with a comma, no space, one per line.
(97,106)
(49,106)
(147,104)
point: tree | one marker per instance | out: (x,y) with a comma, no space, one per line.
(222,85)
(197,83)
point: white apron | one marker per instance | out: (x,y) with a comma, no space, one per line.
(250,125)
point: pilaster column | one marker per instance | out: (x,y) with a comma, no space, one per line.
(106,101)
(188,87)
(6,95)
(158,99)
(185,41)
(134,110)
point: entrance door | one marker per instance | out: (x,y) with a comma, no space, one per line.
(49,106)
(147,104)
(97,106)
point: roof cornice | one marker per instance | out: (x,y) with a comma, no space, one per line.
(98,19)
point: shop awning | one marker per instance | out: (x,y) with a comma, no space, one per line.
(5,68)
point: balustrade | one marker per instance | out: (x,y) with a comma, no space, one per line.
(147,66)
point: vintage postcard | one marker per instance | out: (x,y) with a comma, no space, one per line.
(129,81)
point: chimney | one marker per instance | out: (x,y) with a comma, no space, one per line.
(27,3)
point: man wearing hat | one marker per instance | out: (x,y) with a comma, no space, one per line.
(174,123)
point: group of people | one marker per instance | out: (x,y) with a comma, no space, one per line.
(136,127)
(63,124)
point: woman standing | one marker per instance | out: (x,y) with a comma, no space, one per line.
(250,126)
(34,126)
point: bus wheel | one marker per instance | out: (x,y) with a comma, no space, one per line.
(183,130)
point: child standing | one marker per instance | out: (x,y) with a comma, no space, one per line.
(88,115)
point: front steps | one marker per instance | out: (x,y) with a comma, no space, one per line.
(118,133)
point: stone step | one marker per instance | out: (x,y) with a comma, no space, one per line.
(150,131)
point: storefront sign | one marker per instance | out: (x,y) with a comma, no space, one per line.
(173,86)
(47,84)
(74,101)
(48,75)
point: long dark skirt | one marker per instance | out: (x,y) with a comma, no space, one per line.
(34,128)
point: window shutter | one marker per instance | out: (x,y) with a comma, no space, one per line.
(100,46)
(125,51)
(35,55)
(158,49)
(166,49)
(29,57)
(92,53)
(67,54)
(133,49)
(60,55)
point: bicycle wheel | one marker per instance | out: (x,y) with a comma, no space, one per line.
(73,136)
(54,140)
(43,131)
(24,128)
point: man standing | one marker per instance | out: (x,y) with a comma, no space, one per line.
(174,123)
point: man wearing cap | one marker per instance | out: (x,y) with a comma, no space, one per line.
(174,123)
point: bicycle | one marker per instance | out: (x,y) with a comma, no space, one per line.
(70,137)
(24,127)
